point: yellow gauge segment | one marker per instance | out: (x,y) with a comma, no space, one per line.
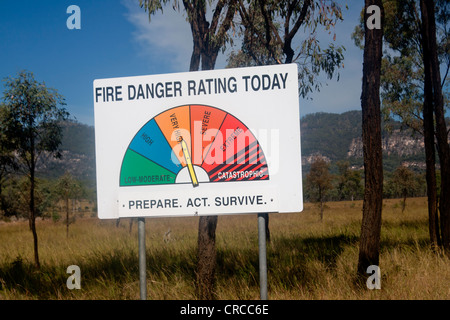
(188,159)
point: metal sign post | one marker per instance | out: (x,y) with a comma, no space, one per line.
(142,260)
(262,256)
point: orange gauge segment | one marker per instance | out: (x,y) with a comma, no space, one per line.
(175,124)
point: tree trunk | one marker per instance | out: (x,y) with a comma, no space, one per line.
(67,217)
(404,201)
(205,51)
(321,210)
(430,156)
(33,216)
(209,59)
(321,204)
(206,251)
(206,257)
(206,264)
(369,248)
(430,56)
(32,220)
(195,58)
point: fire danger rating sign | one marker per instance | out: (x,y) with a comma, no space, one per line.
(198,143)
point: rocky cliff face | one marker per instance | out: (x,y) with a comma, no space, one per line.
(77,154)
(79,165)
(398,143)
(336,137)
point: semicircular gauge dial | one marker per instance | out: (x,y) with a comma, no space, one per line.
(193,144)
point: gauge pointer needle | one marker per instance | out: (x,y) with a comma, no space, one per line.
(187,157)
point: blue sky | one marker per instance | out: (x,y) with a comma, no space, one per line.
(116,40)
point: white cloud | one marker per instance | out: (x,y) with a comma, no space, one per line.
(166,40)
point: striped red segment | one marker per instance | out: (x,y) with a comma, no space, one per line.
(235,154)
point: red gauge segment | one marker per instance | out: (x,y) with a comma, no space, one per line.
(205,123)
(235,154)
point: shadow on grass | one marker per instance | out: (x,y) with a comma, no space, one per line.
(22,277)
(289,260)
(116,267)
(297,259)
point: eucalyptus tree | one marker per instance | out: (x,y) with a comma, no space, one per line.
(270,28)
(348,181)
(369,247)
(66,188)
(209,38)
(318,182)
(402,183)
(33,114)
(406,90)
(434,94)
(8,162)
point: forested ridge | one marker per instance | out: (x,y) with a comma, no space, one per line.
(336,137)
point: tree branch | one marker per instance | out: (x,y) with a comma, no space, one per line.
(269,28)
(300,19)
(226,23)
(216,15)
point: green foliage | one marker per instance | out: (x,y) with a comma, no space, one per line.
(8,163)
(318,181)
(349,182)
(16,197)
(402,90)
(31,124)
(403,182)
(269,28)
(402,74)
(67,187)
(32,117)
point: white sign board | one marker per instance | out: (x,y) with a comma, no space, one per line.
(198,143)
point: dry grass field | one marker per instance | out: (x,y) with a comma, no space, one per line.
(307,258)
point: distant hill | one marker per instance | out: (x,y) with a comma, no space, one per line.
(329,134)
(332,136)
(339,137)
(78,154)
